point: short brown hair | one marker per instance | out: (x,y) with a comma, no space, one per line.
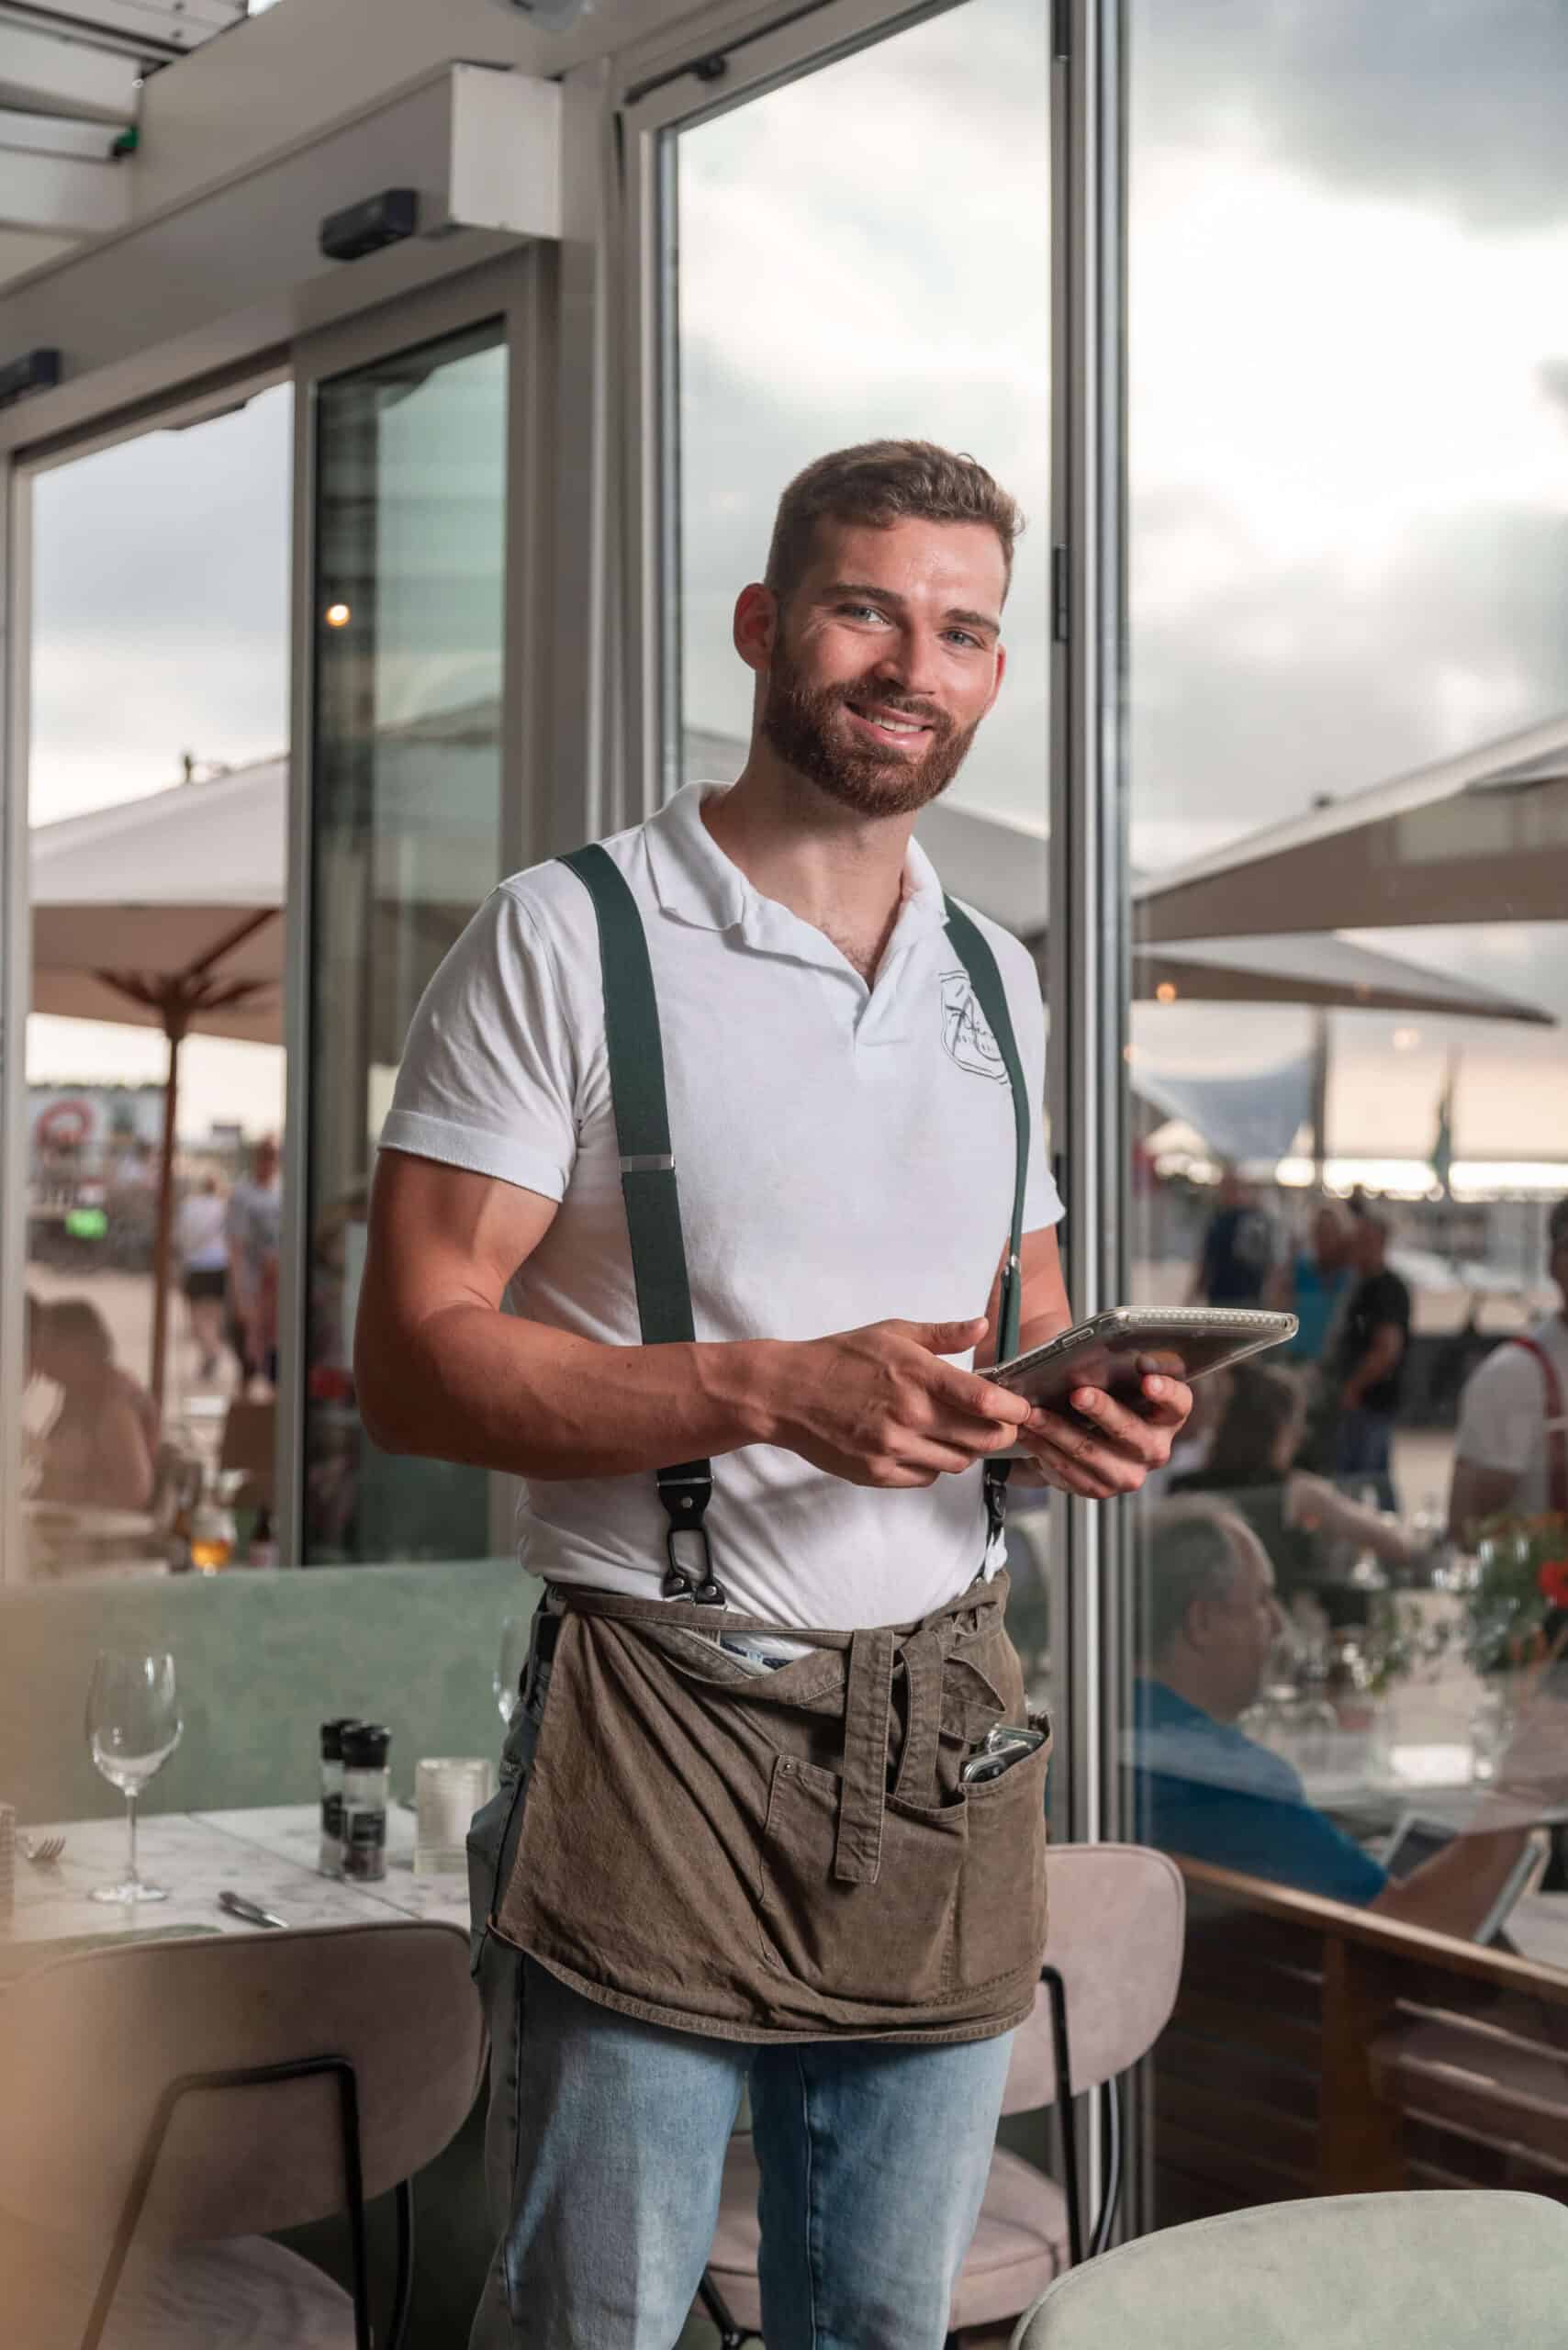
(880,483)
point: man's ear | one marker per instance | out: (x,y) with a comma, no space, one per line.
(1197,1624)
(756,625)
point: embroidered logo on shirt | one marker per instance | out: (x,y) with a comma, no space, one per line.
(964,1030)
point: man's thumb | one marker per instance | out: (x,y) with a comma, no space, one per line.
(952,1337)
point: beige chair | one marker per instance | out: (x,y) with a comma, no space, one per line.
(1113,1964)
(169,2105)
(1456,2269)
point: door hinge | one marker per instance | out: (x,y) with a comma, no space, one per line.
(1062,29)
(1061,606)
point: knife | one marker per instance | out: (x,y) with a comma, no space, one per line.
(238,1907)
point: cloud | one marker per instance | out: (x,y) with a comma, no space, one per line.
(1456,107)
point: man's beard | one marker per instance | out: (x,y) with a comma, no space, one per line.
(796,721)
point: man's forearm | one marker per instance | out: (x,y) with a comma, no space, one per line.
(487,1388)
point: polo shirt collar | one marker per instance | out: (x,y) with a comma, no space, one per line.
(694,881)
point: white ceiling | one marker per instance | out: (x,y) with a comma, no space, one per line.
(70,79)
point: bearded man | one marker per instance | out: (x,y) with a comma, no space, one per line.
(711,1143)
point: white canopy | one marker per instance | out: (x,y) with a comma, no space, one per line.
(1482,838)
(154,902)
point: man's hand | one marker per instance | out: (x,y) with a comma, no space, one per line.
(878,1406)
(1116,1452)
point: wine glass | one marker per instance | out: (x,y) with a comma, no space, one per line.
(515,1633)
(133,1727)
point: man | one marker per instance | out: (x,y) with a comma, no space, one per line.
(1206,1790)
(747,1855)
(251,1229)
(1315,1282)
(1238,1250)
(1511,1451)
(1370,1362)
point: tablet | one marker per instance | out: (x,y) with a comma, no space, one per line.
(1416,1839)
(1114,1350)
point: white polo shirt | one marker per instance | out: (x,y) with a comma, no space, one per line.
(845,1155)
(1502,1415)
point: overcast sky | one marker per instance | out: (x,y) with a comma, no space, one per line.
(160,626)
(1349,417)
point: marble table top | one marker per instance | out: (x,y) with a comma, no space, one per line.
(268,1856)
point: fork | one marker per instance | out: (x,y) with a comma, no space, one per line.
(42,1849)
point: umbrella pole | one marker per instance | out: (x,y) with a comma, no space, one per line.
(162,1237)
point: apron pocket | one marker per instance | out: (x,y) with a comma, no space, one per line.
(887,1941)
(999,1923)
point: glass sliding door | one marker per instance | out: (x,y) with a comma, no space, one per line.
(409,621)
(864,252)
(1348,483)
(858,247)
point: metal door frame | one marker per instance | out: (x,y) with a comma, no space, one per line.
(518,291)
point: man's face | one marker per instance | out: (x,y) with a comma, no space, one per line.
(884,660)
(1235,1635)
(1331,1238)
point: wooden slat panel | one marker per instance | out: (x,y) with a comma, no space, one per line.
(1262,2133)
(1297,2041)
(1243,2072)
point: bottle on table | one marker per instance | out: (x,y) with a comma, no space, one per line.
(332,1851)
(366,1783)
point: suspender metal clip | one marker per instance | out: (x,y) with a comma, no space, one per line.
(692,1577)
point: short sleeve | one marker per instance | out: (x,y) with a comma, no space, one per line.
(489,1074)
(1501,1412)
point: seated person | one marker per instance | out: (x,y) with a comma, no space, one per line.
(99,1449)
(1205,1789)
(1299,1517)
(1511,1451)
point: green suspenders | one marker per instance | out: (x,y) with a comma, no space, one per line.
(653,1201)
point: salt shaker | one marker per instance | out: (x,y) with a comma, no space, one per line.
(365,1782)
(331,1862)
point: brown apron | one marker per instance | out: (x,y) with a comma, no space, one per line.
(783,1855)
(788,1854)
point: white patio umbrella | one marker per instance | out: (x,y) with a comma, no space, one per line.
(999,864)
(162,913)
(1482,838)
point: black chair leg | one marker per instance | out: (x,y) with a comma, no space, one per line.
(731,2335)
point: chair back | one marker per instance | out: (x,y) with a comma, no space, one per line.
(1455,2269)
(89,2045)
(1117,1919)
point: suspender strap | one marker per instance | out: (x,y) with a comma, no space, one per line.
(1556,1429)
(991,996)
(648,1186)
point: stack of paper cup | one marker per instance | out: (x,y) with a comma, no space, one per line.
(448,1790)
(7,1862)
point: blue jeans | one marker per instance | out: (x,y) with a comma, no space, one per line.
(605,2151)
(1363,1449)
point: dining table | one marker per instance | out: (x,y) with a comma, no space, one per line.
(268,1856)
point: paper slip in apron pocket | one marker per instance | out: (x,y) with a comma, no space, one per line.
(888,1940)
(999,1916)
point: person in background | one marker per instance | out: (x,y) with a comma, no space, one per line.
(1511,1451)
(201,1236)
(251,1229)
(1238,1250)
(1297,1517)
(1316,1283)
(99,1449)
(1369,1363)
(1190,1453)
(1205,1789)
